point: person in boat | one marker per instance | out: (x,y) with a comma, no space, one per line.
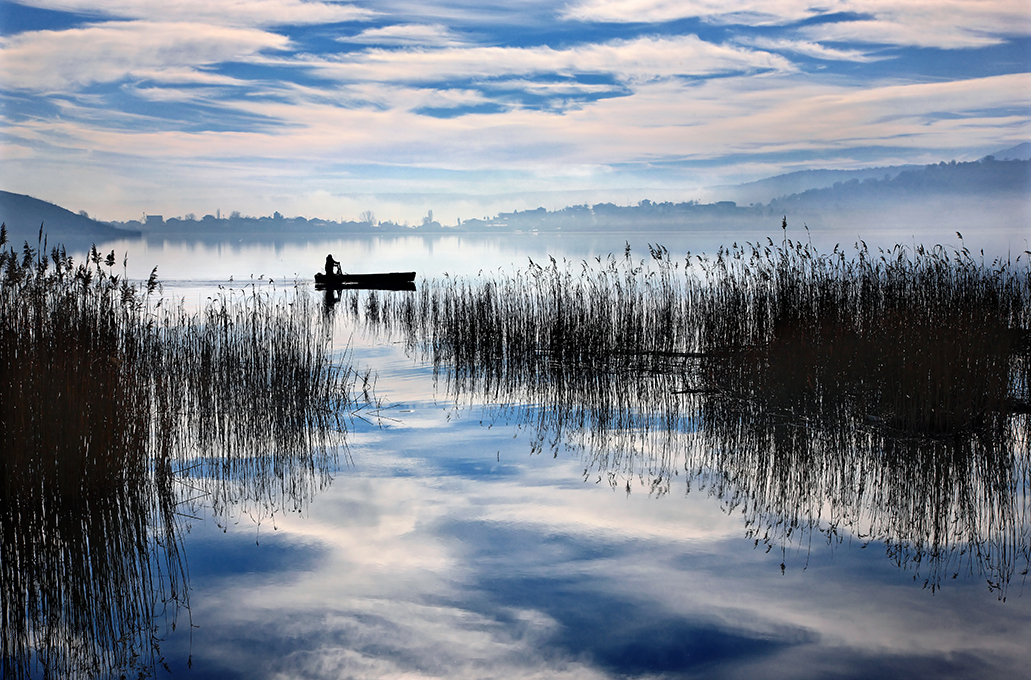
(332,266)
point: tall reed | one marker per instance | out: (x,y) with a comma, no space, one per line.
(923,341)
(884,393)
(119,416)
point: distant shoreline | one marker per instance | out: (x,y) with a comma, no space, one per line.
(978,185)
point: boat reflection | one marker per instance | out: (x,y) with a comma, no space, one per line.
(331,295)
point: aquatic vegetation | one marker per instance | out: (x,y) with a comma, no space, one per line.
(252,403)
(920,341)
(880,395)
(887,395)
(119,417)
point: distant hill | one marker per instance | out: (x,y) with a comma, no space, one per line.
(1020,152)
(23,215)
(765,190)
(945,193)
(986,177)
(990,196)
(782,186)
(998,185)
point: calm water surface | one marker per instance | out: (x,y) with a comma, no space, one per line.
(457,539)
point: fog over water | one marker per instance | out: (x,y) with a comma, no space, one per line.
(216,258)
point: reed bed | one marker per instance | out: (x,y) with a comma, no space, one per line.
(921,341)
(548,334)
(250,388)
(885,393)
(119,417)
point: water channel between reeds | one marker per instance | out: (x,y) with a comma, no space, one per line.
(766,461)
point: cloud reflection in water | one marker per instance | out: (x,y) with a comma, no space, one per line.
(458,572)
(450,552)
(882,399)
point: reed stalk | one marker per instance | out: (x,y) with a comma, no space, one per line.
(119,417)
(884,393)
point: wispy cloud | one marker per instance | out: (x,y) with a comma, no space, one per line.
(809,48)
(950,24)
(755,12)
(436,35)
(222,13)
(110,51)
(640,59)
(659,121)
(947,24)
(288,94)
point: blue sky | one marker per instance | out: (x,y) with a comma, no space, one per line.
(328,108)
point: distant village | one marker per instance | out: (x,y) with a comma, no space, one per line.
(841,192)
(984,177)
(578,217)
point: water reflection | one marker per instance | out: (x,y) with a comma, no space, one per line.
(93,570)
(255,407)
(121,419)
(878,398)
(436,556)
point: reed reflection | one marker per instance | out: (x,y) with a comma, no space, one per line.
(119,419)
(880,396)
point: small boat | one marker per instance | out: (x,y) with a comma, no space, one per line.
(387,281)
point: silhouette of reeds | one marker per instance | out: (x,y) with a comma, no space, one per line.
(249,389)
(921,341)
(119,417)
(886,394)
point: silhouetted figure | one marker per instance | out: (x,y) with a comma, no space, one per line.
(332,266)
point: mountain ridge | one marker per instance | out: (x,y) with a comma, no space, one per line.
(23,215)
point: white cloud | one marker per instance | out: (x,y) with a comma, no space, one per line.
(383,97)
(809,49)
(660,120)
(175,94)
(627,60)
(435,35)
(222,13)
(554,89)
(754,12)
(940,27)
(732,116)
(948,24)
(46,61)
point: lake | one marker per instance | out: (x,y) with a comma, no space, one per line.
(459,531)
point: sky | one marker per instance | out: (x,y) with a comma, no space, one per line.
(326,108)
